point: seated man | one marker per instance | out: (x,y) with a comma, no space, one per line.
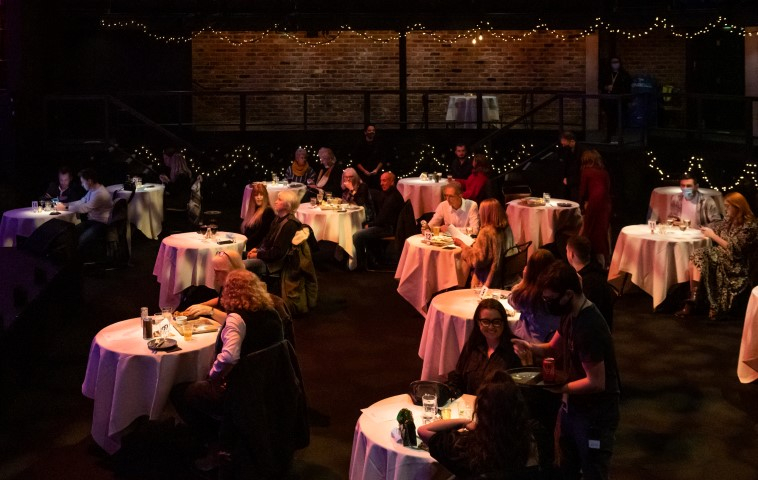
(692,205)
(65,190)
(388,205)
(268,257)
(594,284)
(456,210)
(97,206)
(461,165)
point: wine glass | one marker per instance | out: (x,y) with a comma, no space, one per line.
(320,197)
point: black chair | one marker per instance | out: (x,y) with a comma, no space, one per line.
(513,263)
(404,228)
(118,235)
(265,414)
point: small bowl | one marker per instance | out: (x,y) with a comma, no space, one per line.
(180,319)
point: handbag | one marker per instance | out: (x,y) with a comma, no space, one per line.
(444,392)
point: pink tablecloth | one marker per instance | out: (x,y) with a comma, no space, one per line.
(655,261)
(184,259)
(447,327)
(377,455)
(127,380)
(747,364)
(334,226)
(424,195)
(424,270)
(541,224)
(273,192)
(146,207)
(660,200)
(22,221)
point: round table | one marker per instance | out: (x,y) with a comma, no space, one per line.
(747,363)
(540,224)
(22,221)
(655,261)
(145,208)
(376,455)
(273,190)
(424,270)
(334,226)
(448,325)
(127,380)
(185,259)
(424,195)
(660,200)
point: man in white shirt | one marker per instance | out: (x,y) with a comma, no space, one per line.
(456,210)
(97,205)
(692,205)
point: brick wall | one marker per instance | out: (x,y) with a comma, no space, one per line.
(658,54)
(279,62)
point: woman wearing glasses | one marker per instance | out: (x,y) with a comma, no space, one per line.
(487,349)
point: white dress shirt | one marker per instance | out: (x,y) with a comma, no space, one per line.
(466,216)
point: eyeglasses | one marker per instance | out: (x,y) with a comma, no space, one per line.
(486,322)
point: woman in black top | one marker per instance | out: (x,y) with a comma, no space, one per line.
(268,257)
(258,216)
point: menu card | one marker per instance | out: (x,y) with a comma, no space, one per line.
(456,233)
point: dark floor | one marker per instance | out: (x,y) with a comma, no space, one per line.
(684,413)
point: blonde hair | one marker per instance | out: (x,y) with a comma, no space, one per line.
(291,199)
(331,159)
(353,175)
(254,213)
(491,212)
(491,242)
(244,291)
(227,260)
(592,159)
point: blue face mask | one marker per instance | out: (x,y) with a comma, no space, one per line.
(688,193)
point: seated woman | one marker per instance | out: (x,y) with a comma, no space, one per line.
(535,323)
(251,324)
(724,267)
(300,171)
(223,263)
(475,186)
(498,444)
(329,178)
(258,216)
(487,349)
(268,257)
(486,254)
(353,189)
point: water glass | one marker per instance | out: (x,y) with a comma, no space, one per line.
(328,197)
(274,178)
(429,402)
(651,224)
(187,331)
(546,198)
(687,222)
(314,202)
(35,206)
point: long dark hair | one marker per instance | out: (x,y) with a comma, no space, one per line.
(526,294)
(476,339)
(502,440)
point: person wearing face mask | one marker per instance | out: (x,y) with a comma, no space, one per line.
(584,351)
(692,205)
(258,216)
(615,81)
(369,157)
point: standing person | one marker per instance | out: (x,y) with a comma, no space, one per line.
(300,171)
(724,266)
(614,81)
(486,254)
(368,157)
(475,185)
(329,179)
(691,205)
(594,284)
(595,197)
(589,415)
(455,210)
(571,157)
(97,206)
(258,216)
(176,176)
(461,165)
(65,189)
(388,205)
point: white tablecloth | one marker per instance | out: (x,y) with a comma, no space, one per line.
(462,108)
(377,456)
(334,226)
(448,325)
(540,224)
(127,380)
(184,259)
(424,195)
(660,200)
(748,372)
(22,221)
(655,261)
(424,270)
(146,208)
(273,193)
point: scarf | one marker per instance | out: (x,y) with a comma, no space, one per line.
(299,171)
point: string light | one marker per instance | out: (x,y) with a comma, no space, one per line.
(695,165)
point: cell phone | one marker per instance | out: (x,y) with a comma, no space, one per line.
(225,242)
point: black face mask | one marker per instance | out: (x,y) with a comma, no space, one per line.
(554,307)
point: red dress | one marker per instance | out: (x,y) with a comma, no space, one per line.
(595,194)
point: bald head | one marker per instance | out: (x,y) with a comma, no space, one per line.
(387,180)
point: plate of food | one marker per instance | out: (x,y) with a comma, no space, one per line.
(532,377)
(533,202)
(565,204)
(161,344)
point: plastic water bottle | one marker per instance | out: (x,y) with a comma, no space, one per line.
(147,324)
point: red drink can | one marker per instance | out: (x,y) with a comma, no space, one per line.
(548,370)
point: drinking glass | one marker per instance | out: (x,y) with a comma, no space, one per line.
(187,331)
(314,202)
(167,312)
(546,198)
(651,224)
(274,178)
(682,226)
(687,222)
(436,231)
(328,197)
(320,197)
(429,402)
(214,229)
(35,206)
